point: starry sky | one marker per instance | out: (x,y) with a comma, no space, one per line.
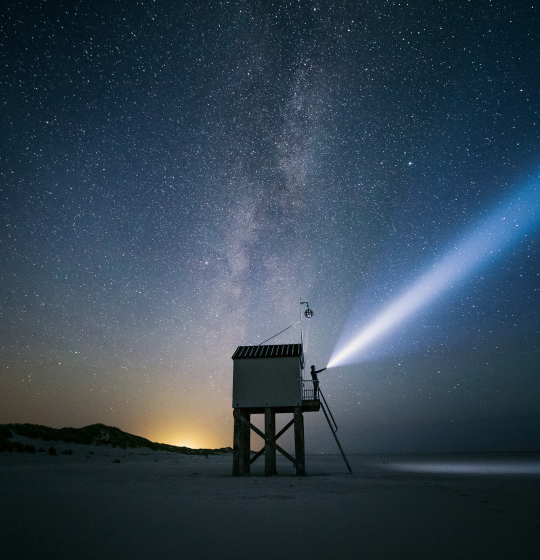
(175,177)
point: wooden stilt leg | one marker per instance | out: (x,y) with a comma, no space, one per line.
(241,446)
(274,439)
(236,442)
(299,447)
(270,434)
(246,440)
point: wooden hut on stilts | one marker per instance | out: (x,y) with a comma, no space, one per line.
(268,380)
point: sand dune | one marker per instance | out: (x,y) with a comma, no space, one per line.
(105,503)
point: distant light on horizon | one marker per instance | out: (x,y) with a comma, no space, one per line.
(193,438)
(472,467)
(508,222)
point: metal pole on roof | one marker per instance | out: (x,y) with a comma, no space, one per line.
(301,328)
(302,324)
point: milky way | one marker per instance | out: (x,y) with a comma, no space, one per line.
(176,178)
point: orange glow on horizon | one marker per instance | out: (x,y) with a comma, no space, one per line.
(192,439)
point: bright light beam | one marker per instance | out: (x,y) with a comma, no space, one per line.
(510,220)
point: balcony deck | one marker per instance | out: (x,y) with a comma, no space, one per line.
(310,400)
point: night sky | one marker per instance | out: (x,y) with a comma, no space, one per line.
(175,178)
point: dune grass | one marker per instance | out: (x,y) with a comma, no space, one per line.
(95,434)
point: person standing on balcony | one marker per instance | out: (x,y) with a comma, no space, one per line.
(314,373)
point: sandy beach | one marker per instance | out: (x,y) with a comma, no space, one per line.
(105,503)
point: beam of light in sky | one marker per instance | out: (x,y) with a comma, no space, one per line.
(510,220)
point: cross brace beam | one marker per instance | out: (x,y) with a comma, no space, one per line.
(261,452)
(267,439)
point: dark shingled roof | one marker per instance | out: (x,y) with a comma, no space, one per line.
(270,351)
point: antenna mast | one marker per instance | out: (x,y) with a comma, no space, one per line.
(308,314)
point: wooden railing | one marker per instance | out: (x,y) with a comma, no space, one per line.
(308,390)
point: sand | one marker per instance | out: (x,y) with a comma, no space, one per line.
(159,505)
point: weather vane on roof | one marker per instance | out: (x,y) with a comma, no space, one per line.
(308,312)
